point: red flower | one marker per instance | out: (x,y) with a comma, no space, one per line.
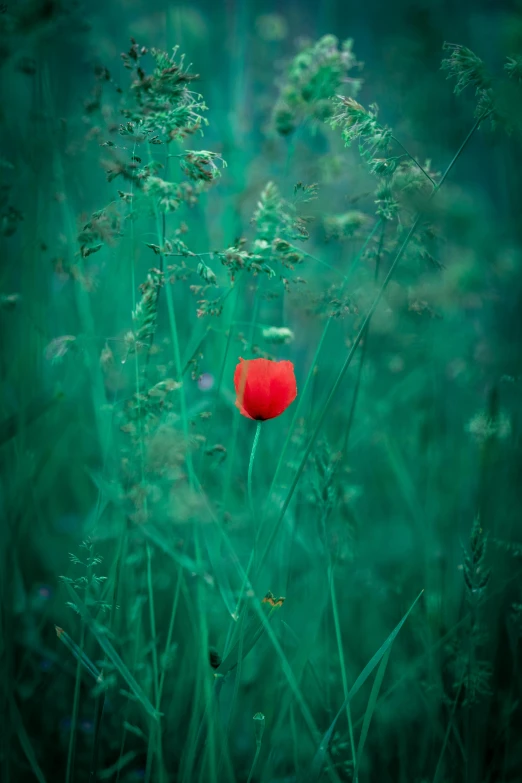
(264,388)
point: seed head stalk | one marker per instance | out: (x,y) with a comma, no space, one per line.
(228,479)
(302,394)
(356,342)
(254,763)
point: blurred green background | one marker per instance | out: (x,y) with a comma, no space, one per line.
(125,471)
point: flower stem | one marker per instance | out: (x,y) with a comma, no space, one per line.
(250,467)
(252,511)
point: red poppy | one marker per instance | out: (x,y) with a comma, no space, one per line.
(264,388)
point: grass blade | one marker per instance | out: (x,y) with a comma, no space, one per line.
(112,655)
(78,653)
(316,769)
(105,774)
(183,560)
(25,742)
(250,638)
(372,701)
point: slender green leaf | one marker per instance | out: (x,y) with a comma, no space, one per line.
(105,774)
(100,634)
(315,771)
(251,636)
(372,701)
(185,562)
(25,742)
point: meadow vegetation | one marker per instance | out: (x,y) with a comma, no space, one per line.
(190,596)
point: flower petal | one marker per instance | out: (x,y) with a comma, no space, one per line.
(264,388)
(283,388)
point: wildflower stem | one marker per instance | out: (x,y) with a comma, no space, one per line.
(252,511)
(250,468)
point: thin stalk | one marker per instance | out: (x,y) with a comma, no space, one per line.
(210,744)
(74,718)
(250,469)
(300,402)
(414,160)
(98,715)
(235,430)
(203,689)
(229,340)
(154,744)
(355,345)
(438,768)
(342,664)
(161,266)
(136,360)
(71,753)
(297,411)
(295,740)
(137,632)
(413,668)
(364,350)
(179,373)
(155,731)
(152,616)
(256,756)
(237,679)
(302,393)
(169,635)
(100,699)
(161,232)
(334,388)
(253,513)
(324,263)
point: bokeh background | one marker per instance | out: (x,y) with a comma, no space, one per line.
(415,475)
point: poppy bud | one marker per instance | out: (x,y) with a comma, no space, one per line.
(264,388)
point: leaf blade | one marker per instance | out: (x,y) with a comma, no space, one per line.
(315,770)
